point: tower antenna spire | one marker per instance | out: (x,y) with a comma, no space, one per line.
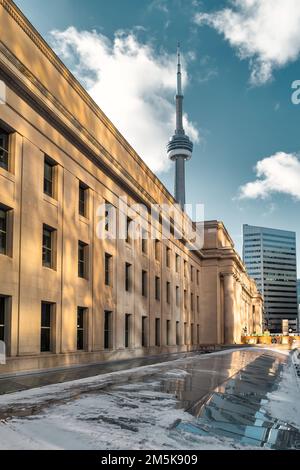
(179,88)
(180,147)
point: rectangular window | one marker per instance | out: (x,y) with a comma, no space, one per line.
(185,268)
(192,273)
(107,330)
(108,216)
(49,176)
(198,276)
(128,277)
(108,269)
(192,333)
(192,302)
(4,148)
(168,257)
(168,292)
(177,263)
(177,296)
(128,230)
(82,260)
(198,304)
(168,326)
(157,250)
(81,320)
(2,318)
(157,288)
(144,242)
(185,333)
(144,332)
(127,330)
(144,283)
(177,333)
(46,326)
(198,334)
(48,257)
(185,298)
(3,231)
(83,199)
(157,331)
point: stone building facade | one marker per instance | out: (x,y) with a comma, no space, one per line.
(66,295)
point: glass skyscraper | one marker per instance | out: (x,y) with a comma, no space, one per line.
(270,258)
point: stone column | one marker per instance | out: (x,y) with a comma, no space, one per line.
(229,308)
(237,313)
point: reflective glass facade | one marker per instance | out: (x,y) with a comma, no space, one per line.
(270,258)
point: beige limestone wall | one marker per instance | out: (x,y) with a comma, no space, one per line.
(86,147)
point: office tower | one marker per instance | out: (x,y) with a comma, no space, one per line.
(270,258)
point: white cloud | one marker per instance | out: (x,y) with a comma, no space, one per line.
(279,173)
(266,32)
(133,86)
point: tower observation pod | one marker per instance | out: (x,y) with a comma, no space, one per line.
(180,147)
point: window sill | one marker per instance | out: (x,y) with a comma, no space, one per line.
(84,219)
(49,268)
(7,174)
(50,200)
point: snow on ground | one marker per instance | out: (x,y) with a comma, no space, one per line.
(284,403)
(120,410)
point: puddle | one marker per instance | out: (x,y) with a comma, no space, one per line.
(235,409)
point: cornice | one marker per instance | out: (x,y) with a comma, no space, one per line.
(37,39)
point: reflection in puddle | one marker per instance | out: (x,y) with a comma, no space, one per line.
(235,409)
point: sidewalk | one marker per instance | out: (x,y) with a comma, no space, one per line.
(15,382)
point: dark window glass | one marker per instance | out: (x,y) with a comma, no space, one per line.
(108,269)
(192,302)
(177,296)
(4,149)
(157,332)
(47,247)
(82,199)
(49,177)
(127,277)
(144,331)
(157,288)
(46,327)
(80,328)
(82,247)
(168,292)
(2,318)
(198,334)
(168,332)
(127,330)
(144,283)
(177,334)
(177,263)
(185,333)
(192,333)
(128,230)
(3,231)
(107,330)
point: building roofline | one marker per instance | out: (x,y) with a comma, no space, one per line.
(42,44)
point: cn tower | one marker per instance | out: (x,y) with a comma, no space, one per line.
(180,147)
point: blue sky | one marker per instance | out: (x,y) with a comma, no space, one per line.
(240,64)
